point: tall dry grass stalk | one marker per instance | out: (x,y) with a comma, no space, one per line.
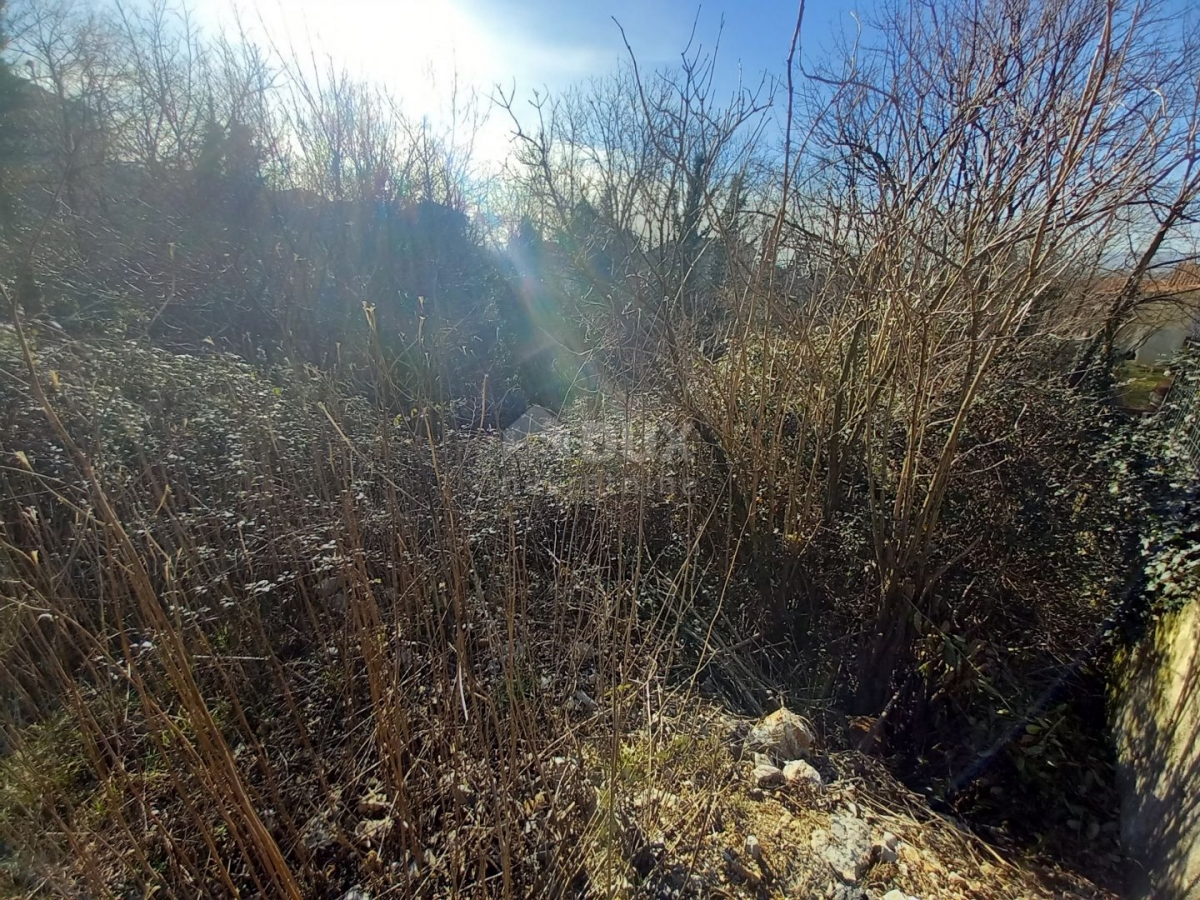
(273,638)
(327,654)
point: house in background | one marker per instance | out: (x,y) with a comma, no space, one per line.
(1164,319)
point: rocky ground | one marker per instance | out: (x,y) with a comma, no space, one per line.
(808,823)
(761,809)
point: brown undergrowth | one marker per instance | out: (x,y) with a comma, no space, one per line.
(319,650)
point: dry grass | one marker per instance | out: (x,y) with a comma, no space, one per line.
(329,652)
(453,668)
(259,636)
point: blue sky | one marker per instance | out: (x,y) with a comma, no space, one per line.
(755,36)
(419,48)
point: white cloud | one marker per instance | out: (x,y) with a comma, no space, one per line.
(417,48)
(420,50)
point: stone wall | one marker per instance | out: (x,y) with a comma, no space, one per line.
(1156,726)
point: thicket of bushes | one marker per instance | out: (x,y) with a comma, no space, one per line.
(261,582)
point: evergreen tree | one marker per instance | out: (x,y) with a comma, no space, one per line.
(12,95)
(730,247)
(691,237)
(26,291)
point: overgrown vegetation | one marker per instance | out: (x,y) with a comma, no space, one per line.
(281,613)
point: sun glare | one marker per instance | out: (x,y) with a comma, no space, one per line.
(419,50)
